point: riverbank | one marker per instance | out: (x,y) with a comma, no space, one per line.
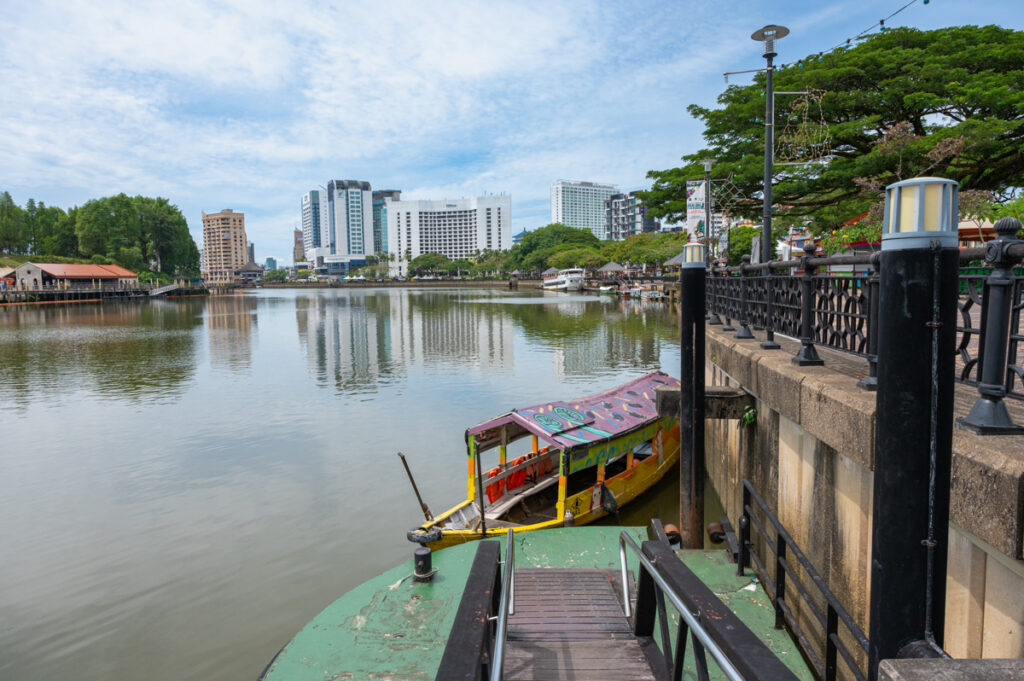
(16,297)
(417,283)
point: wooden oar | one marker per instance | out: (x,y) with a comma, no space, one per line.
(426,511)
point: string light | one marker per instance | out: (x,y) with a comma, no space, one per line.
(847,44)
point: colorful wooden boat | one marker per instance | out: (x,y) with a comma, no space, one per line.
(586,457)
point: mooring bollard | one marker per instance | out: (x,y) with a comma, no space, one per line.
(808,355)
(989,415)
(743,332)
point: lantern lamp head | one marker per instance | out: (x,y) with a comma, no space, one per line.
(694,255)
(768,35)
(919,211)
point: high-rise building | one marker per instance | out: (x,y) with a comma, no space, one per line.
(454,228)
(250,250)
(299,248)
(626,215)
(270,264)
(380,217)
(313,226)
(344,214)
(581,204)
(349,218)
(224,244)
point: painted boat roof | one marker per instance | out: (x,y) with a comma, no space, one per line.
(389,629)
(584,421)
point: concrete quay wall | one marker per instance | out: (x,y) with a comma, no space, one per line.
(810,456)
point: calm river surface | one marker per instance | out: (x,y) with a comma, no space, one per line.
(184,484)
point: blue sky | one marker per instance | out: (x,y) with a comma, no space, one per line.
(247,104)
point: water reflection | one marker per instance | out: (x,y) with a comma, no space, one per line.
(128,349)
(199,499)
(230,321)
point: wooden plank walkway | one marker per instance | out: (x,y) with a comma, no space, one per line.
(569,624)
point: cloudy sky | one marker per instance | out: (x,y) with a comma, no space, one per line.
(246,104)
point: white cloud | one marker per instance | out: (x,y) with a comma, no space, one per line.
(246,104)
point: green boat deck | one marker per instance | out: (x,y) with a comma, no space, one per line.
(391,627)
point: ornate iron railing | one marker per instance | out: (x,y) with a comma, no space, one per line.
(842,310)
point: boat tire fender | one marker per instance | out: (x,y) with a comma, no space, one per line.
(419,535)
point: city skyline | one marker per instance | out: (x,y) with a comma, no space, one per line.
(222,106)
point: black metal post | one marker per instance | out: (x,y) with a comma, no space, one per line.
(989,415)
(714,298)
(769,159)
(744,331)
(871,284)
(913,447)
(691,403)
(744,538)
(769,301)
(807,356)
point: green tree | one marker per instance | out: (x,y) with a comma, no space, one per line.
(277,276)
(905,102)
(576,257)
(12,226)
(428,263)
(540,244)
(105,225)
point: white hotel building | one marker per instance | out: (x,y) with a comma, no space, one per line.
(455,228)
(581,204)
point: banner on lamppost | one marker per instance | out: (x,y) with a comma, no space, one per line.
(695,207)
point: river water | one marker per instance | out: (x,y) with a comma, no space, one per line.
(184,484)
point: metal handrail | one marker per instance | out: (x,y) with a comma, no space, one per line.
(696,629)
(505,608)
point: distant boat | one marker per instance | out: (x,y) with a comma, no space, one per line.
(565,280)
(586,458)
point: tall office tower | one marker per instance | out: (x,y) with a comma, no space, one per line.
(312,222)
(626,215)
(224,244)
(581,204)
(380,217)
(349,218)
(299,248)
(250,252)
(454,228)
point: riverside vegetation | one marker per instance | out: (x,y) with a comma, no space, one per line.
(147,235)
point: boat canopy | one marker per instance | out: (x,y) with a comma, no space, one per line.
(581,422)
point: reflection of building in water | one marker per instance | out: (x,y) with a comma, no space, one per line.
(229,321)
(347,338)
(439,328)
(615,344)
(358,341)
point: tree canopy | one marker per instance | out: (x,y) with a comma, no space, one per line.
(948,102)
(136,232)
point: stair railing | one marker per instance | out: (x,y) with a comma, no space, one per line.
(505,608)
(703,618)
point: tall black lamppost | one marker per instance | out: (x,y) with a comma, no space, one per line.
(768,35)
(708,231)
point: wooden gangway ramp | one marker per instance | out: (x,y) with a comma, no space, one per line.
(569,624)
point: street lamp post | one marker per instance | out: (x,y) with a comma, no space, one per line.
(708,231)
(768,35)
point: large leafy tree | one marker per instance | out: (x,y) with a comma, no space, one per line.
(948,102)
(12,225)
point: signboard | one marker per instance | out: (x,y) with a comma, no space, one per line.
(695,206)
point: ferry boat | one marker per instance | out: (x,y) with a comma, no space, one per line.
(586,457)
(565,280)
